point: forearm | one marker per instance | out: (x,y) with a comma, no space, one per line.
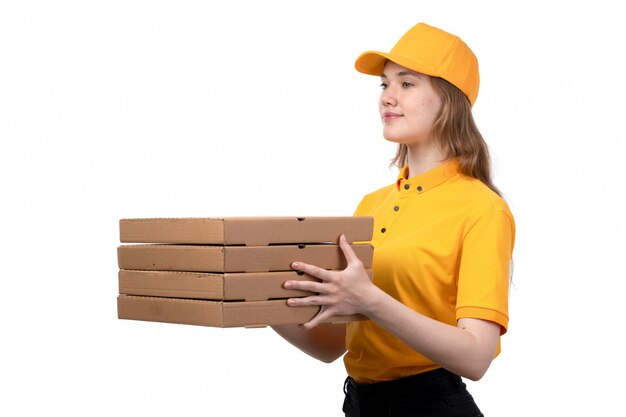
(325,342)
(466,349)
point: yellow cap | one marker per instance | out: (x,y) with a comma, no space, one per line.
(431,51)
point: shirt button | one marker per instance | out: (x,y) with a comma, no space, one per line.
(396,208)
(407,186)
(419,188)
(383,230)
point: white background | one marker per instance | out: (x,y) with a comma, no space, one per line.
(127,108)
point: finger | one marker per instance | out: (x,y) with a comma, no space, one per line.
(312,300)
(312,270)
(311,286)
(319,318)
(348,252)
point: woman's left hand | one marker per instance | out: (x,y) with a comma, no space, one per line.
(339,292)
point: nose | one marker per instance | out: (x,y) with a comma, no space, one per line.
(388,98)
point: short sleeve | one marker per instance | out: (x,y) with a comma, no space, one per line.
(483,281)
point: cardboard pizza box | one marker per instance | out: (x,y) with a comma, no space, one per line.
(253,231)
(218,313)
(252,286)
(203,258)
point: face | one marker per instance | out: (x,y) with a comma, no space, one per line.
(409,105)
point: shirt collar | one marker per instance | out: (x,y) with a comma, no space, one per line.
(429,179)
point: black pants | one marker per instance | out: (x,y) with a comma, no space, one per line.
(437,393)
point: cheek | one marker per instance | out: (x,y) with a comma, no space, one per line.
(429,102)
(431,108)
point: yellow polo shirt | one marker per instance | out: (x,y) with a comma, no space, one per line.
(442,246)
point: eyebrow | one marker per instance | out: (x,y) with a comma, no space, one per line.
(402,73)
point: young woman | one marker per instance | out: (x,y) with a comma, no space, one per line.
(443,240)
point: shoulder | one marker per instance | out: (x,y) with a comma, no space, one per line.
(479,201)
(477,192)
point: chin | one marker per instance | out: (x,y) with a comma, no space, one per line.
(397,135)
(404,139)
(400,140)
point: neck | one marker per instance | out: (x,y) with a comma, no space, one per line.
(423,157)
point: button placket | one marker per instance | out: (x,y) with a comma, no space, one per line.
(404,192)
(395,207)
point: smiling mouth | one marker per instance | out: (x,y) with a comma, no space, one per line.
(391,116)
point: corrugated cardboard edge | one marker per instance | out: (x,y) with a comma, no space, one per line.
(261,286)
(172,230)
(201,258)
(176,284)
(253,286)
(285,230)
(280,257)
(251,231)
(186,258)
(217,313)
(169,310)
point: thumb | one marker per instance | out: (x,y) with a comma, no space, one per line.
(347,250)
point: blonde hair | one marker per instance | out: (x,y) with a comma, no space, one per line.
(456,133)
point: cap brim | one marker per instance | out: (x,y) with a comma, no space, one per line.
(373,63)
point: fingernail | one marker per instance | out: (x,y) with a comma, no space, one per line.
(288,284)
(295,265)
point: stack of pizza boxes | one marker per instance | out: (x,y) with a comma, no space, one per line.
(229,272)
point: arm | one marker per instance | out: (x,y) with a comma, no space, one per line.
(325,342)
(465,349)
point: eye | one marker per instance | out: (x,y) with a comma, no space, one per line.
(383,85)
(406,84)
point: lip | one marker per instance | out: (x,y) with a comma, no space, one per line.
(390,116)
